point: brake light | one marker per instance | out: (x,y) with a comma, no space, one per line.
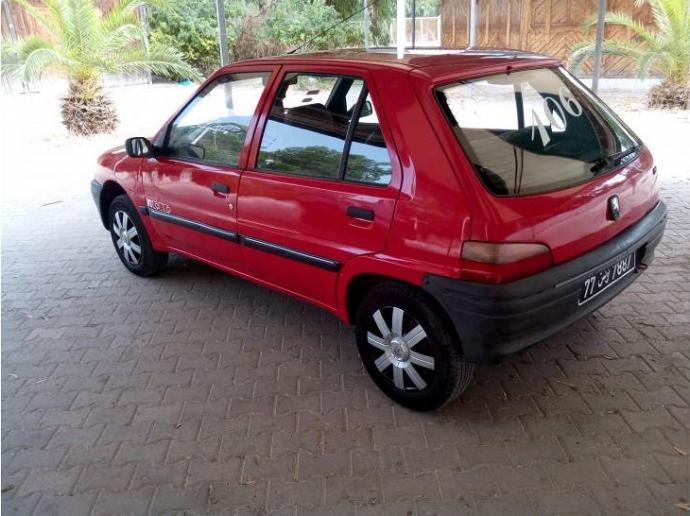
(500,262)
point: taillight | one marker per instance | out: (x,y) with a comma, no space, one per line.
(499,262)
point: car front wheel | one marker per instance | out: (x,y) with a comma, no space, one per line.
(408,349)
(131,241)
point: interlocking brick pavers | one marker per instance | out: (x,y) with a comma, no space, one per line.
(200,392)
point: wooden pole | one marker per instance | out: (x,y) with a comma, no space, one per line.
(598,45)
(366,24)
(222,35)
(473,23)
(400,15)
(414,22)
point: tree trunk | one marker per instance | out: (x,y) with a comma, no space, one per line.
(86,110)
(669,95)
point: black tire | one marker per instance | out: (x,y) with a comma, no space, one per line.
(135,250)
(426,384)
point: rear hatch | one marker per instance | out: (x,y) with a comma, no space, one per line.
(554,161)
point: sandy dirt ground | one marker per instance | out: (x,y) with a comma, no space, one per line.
(42,163)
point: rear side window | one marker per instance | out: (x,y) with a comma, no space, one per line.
(534,131)
(213,127)
(324,126)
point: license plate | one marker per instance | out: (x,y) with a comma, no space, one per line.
(597,283)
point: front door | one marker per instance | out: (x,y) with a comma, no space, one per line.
(191,186)
(322,183)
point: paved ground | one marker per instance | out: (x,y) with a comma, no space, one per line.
(200,392)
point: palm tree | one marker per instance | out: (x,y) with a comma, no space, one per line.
(83,45)
(664,48)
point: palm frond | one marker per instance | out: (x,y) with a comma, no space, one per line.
(38,61)
(660,17)
(160,60)
(646,62)
(664,46)
(122,13)
(623,20)
(83,34)
(24,47)
(56,10)
(85,43)
(121,38)
(620,48)
(579,54)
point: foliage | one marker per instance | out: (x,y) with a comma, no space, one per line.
(293,22)
(664,48)
(191,28)
(85,44)
(381,12)
(248,41)
(423,7)
(255,28)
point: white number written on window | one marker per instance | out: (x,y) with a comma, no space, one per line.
(555,114)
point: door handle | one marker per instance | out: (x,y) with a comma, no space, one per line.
(220,188)
(360,213)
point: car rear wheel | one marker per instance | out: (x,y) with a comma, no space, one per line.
(408,349)
(131,241)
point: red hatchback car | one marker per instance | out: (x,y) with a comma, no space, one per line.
(455,207)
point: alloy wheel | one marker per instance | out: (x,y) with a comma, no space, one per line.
(406,355)
(128,242)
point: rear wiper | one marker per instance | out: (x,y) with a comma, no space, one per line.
(613,159)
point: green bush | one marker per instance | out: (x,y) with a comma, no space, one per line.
(192,28)
(291,23)
(254,28)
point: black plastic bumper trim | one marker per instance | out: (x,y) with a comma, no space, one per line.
(262,245)
(496,320)
(300,256)
(193,224)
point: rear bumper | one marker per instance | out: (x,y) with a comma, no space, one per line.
(496,320)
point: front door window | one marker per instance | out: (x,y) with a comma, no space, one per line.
(213,127)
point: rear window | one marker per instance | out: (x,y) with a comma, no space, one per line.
(534,131)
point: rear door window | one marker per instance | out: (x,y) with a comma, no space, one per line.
(534,131)
(324,126)
(368,160)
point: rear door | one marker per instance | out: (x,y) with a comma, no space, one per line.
(322,181)
(191,186)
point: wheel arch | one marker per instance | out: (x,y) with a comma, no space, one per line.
(111,189)
(357,288)
(360,284)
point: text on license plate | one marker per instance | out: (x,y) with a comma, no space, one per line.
(597,283)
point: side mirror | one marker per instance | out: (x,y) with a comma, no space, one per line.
(367,109)
(139,147)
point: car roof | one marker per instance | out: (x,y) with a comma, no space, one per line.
(430,61)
